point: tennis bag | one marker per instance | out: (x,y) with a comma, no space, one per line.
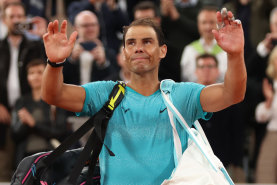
(72,167)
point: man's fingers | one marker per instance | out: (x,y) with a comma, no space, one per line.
(63,27)
(225,17)
(45,37)
(220,23)
(230,16)
(50,28)
(56,26)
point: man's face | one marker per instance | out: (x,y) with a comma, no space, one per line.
(34,76)
(142,51)
(13,15)
(206,23)
(87,27)
(273,23)
(206,71)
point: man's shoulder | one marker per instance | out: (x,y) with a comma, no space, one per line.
(170,85)
(101,85)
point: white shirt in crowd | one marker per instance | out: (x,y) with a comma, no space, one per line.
(13,84)
(188,61)
(264,114)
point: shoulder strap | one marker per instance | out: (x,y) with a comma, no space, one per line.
(96,140)
(106,112)
(166,87)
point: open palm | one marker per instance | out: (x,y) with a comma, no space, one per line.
(230,37)
(57,46)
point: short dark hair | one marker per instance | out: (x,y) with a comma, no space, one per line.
(206,55)
(14,4)
(35,62)
(146,22)
(146,5)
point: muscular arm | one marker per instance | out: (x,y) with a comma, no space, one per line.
(219,96)
(54,91)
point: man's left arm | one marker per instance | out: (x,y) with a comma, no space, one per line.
(230,38)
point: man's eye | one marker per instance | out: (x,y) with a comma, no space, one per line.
(131,43)
(147,42)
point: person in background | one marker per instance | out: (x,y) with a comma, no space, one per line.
(16,50)
(110,17)
(270,41)
(266,169)
(147,9)
(90,59)
(180,28)
(34,123)
(3,27)
(256,65)
(206,21)
(226,129)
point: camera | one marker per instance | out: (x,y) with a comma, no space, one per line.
(88,45)
(24,26)
(274,42)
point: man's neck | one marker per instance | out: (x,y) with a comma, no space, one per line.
(145,85)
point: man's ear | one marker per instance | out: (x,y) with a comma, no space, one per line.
(163,51)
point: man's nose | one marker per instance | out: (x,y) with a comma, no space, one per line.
(139,48)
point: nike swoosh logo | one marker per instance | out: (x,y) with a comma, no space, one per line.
(126,110)
(161,111)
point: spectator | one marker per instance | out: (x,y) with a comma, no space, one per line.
(3,27)
(147,9)
(35,123)
(90,59)
(15,52)
(129,6)
(266,171)
(226,127)
(206,21)
(264,47)
(256,66)
(35,30)
(180,27)
(111,19)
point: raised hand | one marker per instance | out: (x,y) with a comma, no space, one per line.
(57,46)
(229,35)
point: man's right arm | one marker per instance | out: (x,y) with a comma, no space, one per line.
(54,91)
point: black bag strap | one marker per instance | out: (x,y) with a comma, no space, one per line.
(102,116)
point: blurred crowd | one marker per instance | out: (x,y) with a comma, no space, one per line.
(243,136)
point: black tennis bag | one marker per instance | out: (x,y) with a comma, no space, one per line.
(72,167)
